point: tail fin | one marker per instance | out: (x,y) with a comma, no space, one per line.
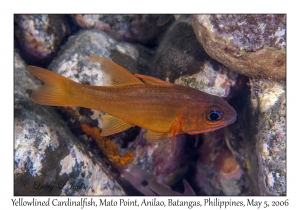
(56,91)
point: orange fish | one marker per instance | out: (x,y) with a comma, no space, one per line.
(164,109)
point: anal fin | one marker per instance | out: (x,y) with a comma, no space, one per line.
(152,135)
(112,125)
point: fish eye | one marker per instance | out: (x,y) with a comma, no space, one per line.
(214,114)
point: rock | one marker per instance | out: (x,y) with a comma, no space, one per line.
(181,59)
(258,138)
(23,80)
(212,79)
(253,45)
(48,158)
(40,36)
(218,172)
(71,61)
(144,29)
(265,93)
(158,159)
(271,136)
(147,184)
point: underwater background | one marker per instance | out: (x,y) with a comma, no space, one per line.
(242,58)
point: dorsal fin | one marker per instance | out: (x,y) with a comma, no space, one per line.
(152,80)
(112,125)
(114,73)
(152,135)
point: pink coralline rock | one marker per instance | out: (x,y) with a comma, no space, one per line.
(249,44)
(218,172)
(258,138)
(143,29)
(210,80)
(271,136)
(40,36)
(230,169)
(181,59)
(158,159)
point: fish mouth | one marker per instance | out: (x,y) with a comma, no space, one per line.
(230,120)
(231,116)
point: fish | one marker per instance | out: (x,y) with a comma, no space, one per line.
(162,108)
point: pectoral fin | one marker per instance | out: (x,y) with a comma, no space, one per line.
(113,73)
(112,125)
(152,80)
(152,135)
